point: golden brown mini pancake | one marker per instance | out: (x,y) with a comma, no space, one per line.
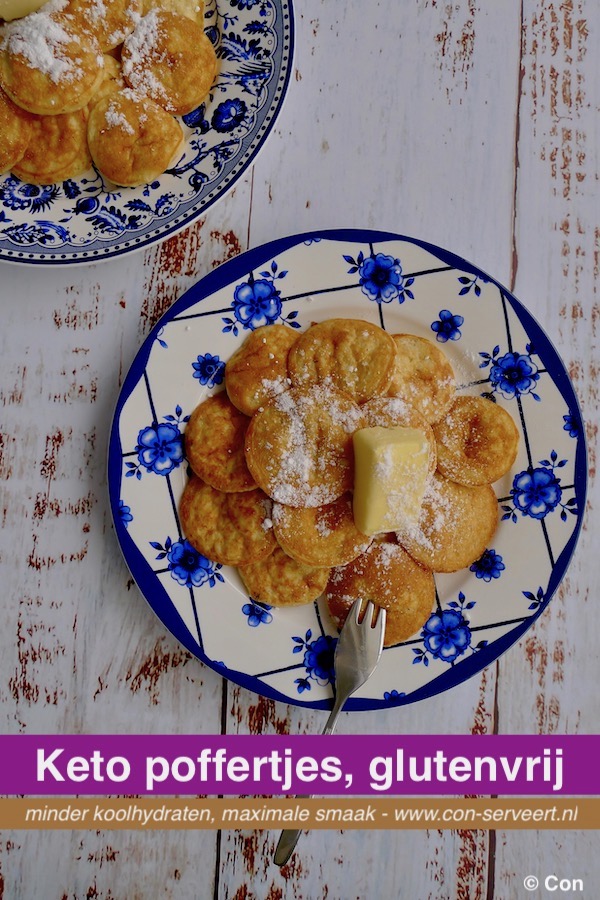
(455,525)
(170,59)
(391,412)
(423,376)
(15,128)
(281,581)
(193,9)
(47,66)
(356,356)
(477,441)
(232,529)
(299,446)
(388,576)
(214,444)
(109,20)
(257,371)
(132,140)
(320,536)
(112,80)
(57,149)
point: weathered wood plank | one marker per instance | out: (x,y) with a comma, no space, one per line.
(544,687)
(399,118)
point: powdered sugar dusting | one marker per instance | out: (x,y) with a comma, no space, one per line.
(41,39)
(322,527)
(387,553)
(97,11)
(267,505)
(385,465)
(382,409)
(376,568)
(294,477)
(337,574)
(141,45)
(115,118)
(438,514)
(273,386)
(277,513)
(301,477)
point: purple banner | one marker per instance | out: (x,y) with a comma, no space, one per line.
(337,764)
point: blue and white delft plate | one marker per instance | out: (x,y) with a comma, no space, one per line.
(497,350)
(86,220)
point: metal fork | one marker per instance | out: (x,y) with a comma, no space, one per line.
(356,655)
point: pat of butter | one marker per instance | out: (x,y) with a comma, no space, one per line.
(391,469)
(16,9)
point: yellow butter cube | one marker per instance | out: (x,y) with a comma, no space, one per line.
(390,478)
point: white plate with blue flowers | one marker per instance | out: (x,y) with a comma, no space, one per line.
(496,348)
(84,220)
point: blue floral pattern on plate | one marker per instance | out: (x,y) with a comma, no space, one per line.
(287,653)
(159,447)
(257,613)
(257,302)
(538,492)
(125,514)
(489,565)
(317,660)
(188,567)
(512,374)
(209,370)
(381,277)
(86,219)
(447,634)
(447,326)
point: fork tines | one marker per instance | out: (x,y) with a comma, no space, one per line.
(372,614)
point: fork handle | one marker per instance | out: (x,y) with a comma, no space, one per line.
(334,715)
(289,836)
(286,844)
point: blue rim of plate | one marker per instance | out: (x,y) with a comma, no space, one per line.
(255,42)
(234,270)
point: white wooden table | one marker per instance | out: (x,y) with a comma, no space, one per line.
(472,124)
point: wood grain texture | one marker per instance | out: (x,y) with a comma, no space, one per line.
(469,124)
(556,274)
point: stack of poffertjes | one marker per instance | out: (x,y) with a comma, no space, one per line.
(101,81)
(272,464)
